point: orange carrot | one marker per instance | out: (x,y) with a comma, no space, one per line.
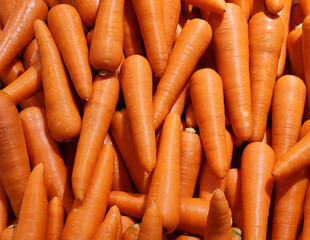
(30,54)
(244,5)
(306,52)
(6,8)
(4,208)
(232,25)
(87,10)
(305,6)
(14,161)
(195,37)
(13,71)
(106,48)
(72,45)
(52,3)
(126,223)
(274,6)
(217,6)
(132,232)
(305,129)
(94,205)
(297,16)
(8,233)
(190,115)
(265,33)
(136,82)
(306,224)
(219,219)
(40,143)
(33,212)
(98,114)
(256,188)
(55,219)
(178,106)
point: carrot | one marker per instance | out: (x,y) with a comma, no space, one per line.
(151,224)
(265,33)
(4,208)
(136,82)
(195,37)
(30,54)
(236,233)
(64,120)
(106,47)
(305,6)
(132,232)
(178,106)
(121,132)
(190,115)
(182,21)
(94,205)
(98,114)
(297,16)
(306,52)
(13,71)
(40,143)
(87,10)
(306,213)
(6,8)
(153,33)
(305,129)
(55,219)
(219,219)
(190,160)
(52,3)
(217,6)
(33,212)
(244,5)
(69,2)
(232,25)
(8,233)
(256,188)
(274,6)
(206,86)
(72,45)
(14,161)
(126,223)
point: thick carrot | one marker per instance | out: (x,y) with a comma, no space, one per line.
(72,45)
(98,114)
(87,10)
(30,54)
(126,223)
(4,208)
(178,106)
(40,143)
(121,132)
(63,118)
(256,188)
(33,212)
(6,8)
(219,219)
(265,34)
(244,5)
(14,161)
(305,6)
(206,86)
(8,233)
(132,232)
(19,29)
(190,118)
(55,219)
(153,33)
(306,213)
(232,25)
(136,82)
(94,205)
(216,6)
(297,16)
(274,6)
(151,224)
(106,48)
(195,37)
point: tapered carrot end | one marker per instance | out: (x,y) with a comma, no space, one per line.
(38,170)
(77,191)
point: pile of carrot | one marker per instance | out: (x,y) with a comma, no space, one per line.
(154,119)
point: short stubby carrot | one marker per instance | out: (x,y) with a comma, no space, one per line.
(87,10)
(233,25)
(216,6)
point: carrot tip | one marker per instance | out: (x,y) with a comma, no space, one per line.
(298,26)
(103,72)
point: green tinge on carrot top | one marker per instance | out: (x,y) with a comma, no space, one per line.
(190,130)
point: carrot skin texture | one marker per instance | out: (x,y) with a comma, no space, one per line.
(244,5)
(126,223)
(179,105)
(132,232)
(14,160)
(33,211)
(217,6)
(236,79)
(19,29)
(6,8)
(295,52)
(87,10)
(72,45)
(195,37)
(55,219)
(13,71)
(4,208)
(106,48)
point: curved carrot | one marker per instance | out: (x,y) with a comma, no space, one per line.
(30,54)
(87,10)
(126,223)
(19,29)
(4,208)
(132,232)
(244,5)
(219,219)
(94,205)
(265,34)
(55,219)
(274,6)
(72,45)
(136,82)
(14,161)
(232,25)
(216,6)
(256,188)
(6,8)
(106,48)
(33,212)
(98,114)
(297,16)
(178,106)
(190,115)
(305,6)
(8,233)
(195,37)
(63,118)
(40,143)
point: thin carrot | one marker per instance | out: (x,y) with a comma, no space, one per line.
(305,6)
(217,6)
(265,33)
(8,233)
(256,188)
(195,37)
(178,106)
(94,205)
(297,16)
(14,160)
(306,213)
(126,223)
(132,232)
(6,8)
(4,208)
(72,45)
(232,25)
(244,5)
(98,114)
(190,115)
(55,219)
(33,212)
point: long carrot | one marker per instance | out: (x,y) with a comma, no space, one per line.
(4,208)
(40,143)
(305,6)
(94,205)
(14,161)
(295,52)
(8,233)
(98,114)
(72,45)
(195,37)
(256,188)
(19,29)
(63,118)
(6,8)
(265,33)
(87,10)
(232,25)
(55,219)
(33,212)
(217,6)
(297,16)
